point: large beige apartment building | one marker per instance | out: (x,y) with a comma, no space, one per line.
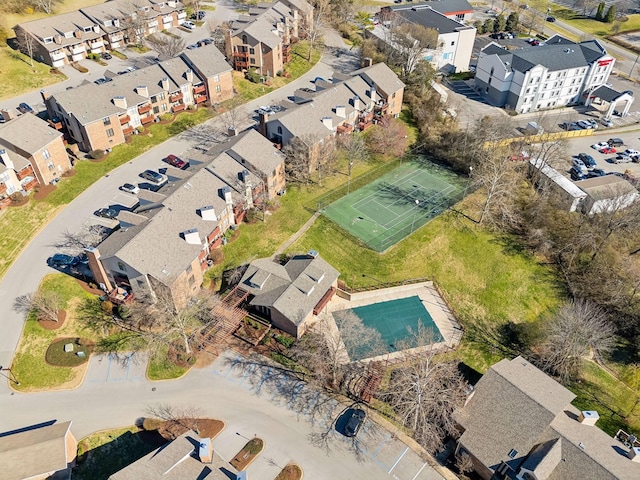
(60,39)
(99,117)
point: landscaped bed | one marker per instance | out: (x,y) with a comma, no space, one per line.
(290,472)
(248,453)
(69,352)
(252,331)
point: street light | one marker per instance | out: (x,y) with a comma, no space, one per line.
(11,377)
(349,179)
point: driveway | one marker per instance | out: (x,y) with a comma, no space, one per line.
(253,399)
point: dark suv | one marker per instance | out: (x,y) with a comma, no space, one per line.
(615,142)
(587,160)
(354,423)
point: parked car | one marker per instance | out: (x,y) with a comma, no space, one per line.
(588,160)
(106,213)
(596,172)
(593,123)
(585,125)
(189,25)
(130,188)
(192,46)
(606,122)
(100,81)
(622,158)
(570,126)
(615,142)
(354,423)
(106,56)
(205,41)
(199,15)
(576,175)
(62,260)
(579,165)
(599,145)
(631,152)
(154,177)
(177,162)
(25,108)
(607,150)
(551,19)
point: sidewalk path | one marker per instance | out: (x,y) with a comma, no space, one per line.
(292,239)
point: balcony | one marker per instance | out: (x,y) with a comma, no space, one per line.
(127,130)
(144,109)
(200,98)
(153,24)
(58,55)
(199,89)
(96,44)
(30,184)
(176,97)
(166,20)
(215,244)
(178,107)
(366,117)
(241,64)
(381,109)
(3,188)
(240,55)
(55,123)
(25,172)
(286,53)
(78,49)
(119,296)
(116,37)
(125,119)
(344,129)
(147,120)
(182,15)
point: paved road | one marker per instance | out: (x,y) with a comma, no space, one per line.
(296,421)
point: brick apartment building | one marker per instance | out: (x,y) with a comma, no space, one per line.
(138,98)
(69,37)
(31,153)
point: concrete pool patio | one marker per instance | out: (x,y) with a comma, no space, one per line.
(432,301)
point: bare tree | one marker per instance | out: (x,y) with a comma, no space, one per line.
(184,415)
(204,135)
(234,114)
(424,393)
(325,153)
(579,329)
(531,18)
(354,147)
(464,463)
(45,5)
(167,47)
(26,43)
(297,161)
(45,304)
(87,236)
(388,137)
(219,32)
(329,348)
(234,275)
(313,31)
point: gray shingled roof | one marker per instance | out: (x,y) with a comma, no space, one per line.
(258,151)
(605,93)
(208,59)
(557,54)
(177,460)
(34,452)
(19,162)
(608,186)
(27,132)
(544,458)
(382,77)
(66,23)
(301,5)
(446,7)
(429,17)
(293,289)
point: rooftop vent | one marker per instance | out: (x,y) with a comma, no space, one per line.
(588,417)
(313,253)
(634,454)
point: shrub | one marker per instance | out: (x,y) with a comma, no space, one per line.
(254,446)
(165,117)
(107,307)
(151,424)
(284,340)
(96,154)
(93,56)
(253,215)
(253,75)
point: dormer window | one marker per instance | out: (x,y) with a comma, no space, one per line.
(47,40)
(88,29)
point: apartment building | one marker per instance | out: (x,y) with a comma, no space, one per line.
(262,39)
(455,39)
(31,153)
(70,37)
(339,107)
(164,247)
(559,73)
(138,98)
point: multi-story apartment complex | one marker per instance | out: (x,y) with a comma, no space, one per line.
(262,38)
(31,153)
(71,36)
(164,247)
(99,117)
(339,107)
(454,47)
(556,74)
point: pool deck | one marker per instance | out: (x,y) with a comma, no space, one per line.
(442,316)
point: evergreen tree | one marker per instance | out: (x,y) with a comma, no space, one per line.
(611,14)
(500,24)
(479,26)
(600,12)
(512,21)
(488,25)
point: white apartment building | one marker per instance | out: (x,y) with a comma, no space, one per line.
(556,74)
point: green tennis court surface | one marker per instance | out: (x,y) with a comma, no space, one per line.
(396,320)
(387,210)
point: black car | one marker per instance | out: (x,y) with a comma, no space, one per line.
(106,56)
(354,423)
(615,142)
(199,15)
(62,260)
(596,172)
(106,213)
(588,160)
(551,19)
(25,108)
(576,174)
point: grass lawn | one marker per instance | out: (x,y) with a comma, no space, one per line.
(17,76)
(29,364)
(160,368)
(109,451)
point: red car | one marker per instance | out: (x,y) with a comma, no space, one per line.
(176,162)
(608,150)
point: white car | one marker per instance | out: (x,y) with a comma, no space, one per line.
(622,158)
(189,25)
(600,145)
(631,152)
(130,188)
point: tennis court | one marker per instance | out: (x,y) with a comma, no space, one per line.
(387,210)
(396,320)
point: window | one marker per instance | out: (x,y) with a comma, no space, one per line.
(163,107)
(106,121)
(50,166)
(192,280)
(216,78)
(122,267)
(252,61)
(110,132)
(189,269)
(48,40)
(512,453)
(45,154)
(453,43)
(492,70)
(252,51)
(447,56)
(218,88)
(279,129)
(244,39)
(156,110)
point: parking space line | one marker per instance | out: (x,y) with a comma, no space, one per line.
(296,391)
(420,471)
(381,444)
(398,460)
(265,375)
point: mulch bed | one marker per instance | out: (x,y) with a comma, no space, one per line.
(19,201)
(85,286)
(42,191)
(205,427)
(50,324)
(248,453)
(69,173)
(290,472)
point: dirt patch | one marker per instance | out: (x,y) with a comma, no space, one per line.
(205,358)
(87,288)
(19,200)
(42,191)
(50,324)
(290,472)
(69,173)
(204,427)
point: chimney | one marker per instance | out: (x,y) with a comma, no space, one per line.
(77,34)
(205,452)
(7,115)
(225,193)
(244,176)
(192,237)
(373,94)
(4,158)
(96,29)
(45,95)
(341,111)
(328,122)
(355,102)
(120,101)
(208,213)
(262,127)
(189,75)
(165,83)
(142,90)
(232,131)
(116,22)
(634,454)
(588,417)
(368,62)
(57,39)
(95,265)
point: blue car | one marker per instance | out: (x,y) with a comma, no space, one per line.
(62,260)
